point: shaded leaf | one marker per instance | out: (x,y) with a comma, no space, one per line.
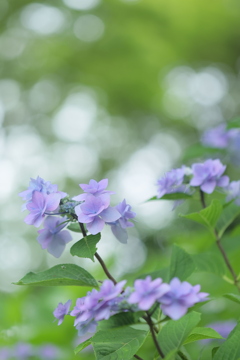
(209,262)
(60,275)
(175,332)
(82,346)
(233,297)
(230,349)
(118,344)
(161,273)
(74,227)
(119,320)
(182,265)
(86,247)
(228,215)
(207,217)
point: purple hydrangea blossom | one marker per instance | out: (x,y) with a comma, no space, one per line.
(40,204)
(42,186)
(52,237)
(5,353)
(62,310)
(23,351)
(179,298)
(147,292)
(208,175)
(94,188)
(172,182)
(96,306)
(95,212)
(49,352)
(233,192)
(119,227)
(216,137)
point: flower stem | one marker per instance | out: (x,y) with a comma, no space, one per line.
(221,249)
(151,326)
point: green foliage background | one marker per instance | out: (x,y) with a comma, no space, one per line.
(124,73)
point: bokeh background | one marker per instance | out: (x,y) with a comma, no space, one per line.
(107,88)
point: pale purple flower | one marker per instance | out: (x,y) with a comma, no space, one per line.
(179,298)
(40,204)
(5,353)
(42,186)
(96,306)
(49,352)
(95,212)
(216,137)
(208,175)
(62,310)
(233,192)
(119,227)
(23,351)
(147,292)
(52,237)
(172,182)
(94,188)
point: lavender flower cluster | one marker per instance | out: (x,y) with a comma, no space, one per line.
(207,176)
(174,299)
(45,202)
(25,351)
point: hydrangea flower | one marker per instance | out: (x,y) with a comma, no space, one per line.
(62,310)
(216,137)
(179,298)
(119,227)
(208,175)
(233,192)
(49,352)
(96,306)
(94,188)
(40,204)
(147,291)
(23,351)
(52,237)
(95,211)
(42,186)
(172,182)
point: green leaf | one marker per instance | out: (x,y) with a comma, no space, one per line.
(119,320)
(234,123)
(230,349)
(182,265)
(82,346)
(60,275)
(74,227)
(200,333)
(86,247)
(210,262)
(214,350)
(118,344)
(233,297)
(175,332)
(198,151)
(173,196)
(161,273)
(228,215)
(207,217)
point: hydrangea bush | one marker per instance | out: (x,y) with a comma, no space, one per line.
(119,317)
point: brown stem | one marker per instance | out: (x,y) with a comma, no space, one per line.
(102,263)
(137,357)
(220,247)
(151,326)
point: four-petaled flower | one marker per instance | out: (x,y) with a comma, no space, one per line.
(52,237)
(40,204)
(94,188)
(208,175)
(95,211)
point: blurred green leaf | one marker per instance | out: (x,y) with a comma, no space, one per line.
(228,215)
(161,273)
(118,344)
(74,227)
(173,196)
(175,332)
(119,320)
(234,123)
(210,262)
(198,151)
(201,333)
(82,346)
(182,265)
(207,217)
(60,275)
(230,349)
(86,247)
(233,297)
